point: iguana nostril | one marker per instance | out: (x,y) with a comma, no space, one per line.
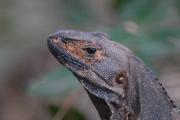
(56,39)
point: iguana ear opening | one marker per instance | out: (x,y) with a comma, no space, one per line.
(121,80)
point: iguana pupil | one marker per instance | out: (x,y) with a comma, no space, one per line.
(90,50)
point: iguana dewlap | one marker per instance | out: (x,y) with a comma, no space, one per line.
(118,83)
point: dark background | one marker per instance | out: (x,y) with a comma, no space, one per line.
(34,86)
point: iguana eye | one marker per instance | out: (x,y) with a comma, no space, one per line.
(89,50)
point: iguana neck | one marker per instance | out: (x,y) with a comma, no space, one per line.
(112,111)
(101,106)
(145,98)
(154,102)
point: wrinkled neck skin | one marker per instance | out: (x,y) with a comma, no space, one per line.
(108,110)
(154,103)
(145,98)
(109,105)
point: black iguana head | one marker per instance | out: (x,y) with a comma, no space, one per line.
(118,83)
(100,64)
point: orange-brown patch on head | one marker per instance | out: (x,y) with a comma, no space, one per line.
(75,49)
(100,55)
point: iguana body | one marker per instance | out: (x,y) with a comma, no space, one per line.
(118,83)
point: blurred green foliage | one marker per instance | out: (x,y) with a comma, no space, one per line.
(58,82)
(150,28)
(73,114)
(77,12)
(53,109)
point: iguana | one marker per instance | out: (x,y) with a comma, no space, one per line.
(119,84)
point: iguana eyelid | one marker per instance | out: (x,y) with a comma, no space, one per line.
(90,49)
(86,51)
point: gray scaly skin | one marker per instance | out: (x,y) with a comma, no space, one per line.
(118,83)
